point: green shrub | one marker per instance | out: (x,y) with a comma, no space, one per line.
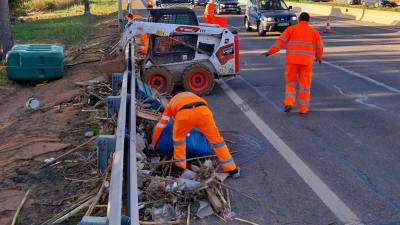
(17,7)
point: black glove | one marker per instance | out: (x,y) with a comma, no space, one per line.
(266,54)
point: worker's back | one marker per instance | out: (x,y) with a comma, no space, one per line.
(303,44)
(182,99)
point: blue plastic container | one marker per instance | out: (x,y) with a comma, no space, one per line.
(196,143)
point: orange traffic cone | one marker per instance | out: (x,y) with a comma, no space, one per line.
(328,28)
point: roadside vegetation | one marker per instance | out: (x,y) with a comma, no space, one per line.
(331,3)
(63,26)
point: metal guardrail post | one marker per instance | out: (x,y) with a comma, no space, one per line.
(105,146)
(113,105)
(116,81)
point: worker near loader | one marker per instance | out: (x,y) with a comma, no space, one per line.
(191,111)
(209,15)
(144,37)
(303,46)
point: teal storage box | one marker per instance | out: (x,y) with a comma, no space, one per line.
(35,62)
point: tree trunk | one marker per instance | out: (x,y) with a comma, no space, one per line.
(87,7)
(6,41)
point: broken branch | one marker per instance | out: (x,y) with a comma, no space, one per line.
(21,204)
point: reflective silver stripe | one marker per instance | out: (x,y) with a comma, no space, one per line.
(227,162)
(302,43)
(167,118)
(160,125)
(180,160)
(302,102)
(181,142)
(219,144)
(291,84)
(291,94)
(304,89)
(283,38)
(278,46)
(299,52)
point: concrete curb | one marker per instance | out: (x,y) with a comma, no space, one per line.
(366,15)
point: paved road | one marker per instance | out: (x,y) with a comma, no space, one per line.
(338,165)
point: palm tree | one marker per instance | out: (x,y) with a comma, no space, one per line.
(6,41)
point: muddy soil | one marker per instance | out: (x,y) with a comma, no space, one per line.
(29,137)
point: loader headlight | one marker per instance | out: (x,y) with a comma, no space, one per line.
(294,18)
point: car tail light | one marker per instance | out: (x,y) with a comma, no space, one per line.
(225,53)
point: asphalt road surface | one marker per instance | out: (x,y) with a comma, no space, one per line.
(338,165)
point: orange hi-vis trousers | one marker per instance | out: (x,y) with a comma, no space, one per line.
(301,75)
(201,118)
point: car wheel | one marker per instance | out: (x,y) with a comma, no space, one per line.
(260,30)
(247,24)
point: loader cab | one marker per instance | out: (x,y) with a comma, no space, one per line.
(165,50)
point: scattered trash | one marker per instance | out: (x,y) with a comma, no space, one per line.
(32,104)
(164,213)
(204,210)
(49,160)
(89,134)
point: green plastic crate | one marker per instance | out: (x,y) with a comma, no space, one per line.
(35,62)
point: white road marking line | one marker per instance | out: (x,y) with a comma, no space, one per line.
(257,69)
(362,77)
(361,99)
(327,196)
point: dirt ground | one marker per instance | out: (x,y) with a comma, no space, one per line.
(29,137)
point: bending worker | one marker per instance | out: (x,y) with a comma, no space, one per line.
(191,111)
(303,46)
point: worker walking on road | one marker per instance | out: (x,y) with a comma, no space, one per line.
(303,46)
(191,111)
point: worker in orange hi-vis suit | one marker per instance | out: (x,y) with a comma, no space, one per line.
(191,111)
(209,12)
(209,15)
(303,46)
(144,37)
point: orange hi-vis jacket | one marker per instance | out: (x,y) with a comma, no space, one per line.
(303,44)
(172,108)
(209,11)
(191,111)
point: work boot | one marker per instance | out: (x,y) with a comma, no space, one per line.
(288,108)
(303,114)
(235,173)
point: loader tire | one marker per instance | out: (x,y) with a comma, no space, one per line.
(198,79)
(160,79)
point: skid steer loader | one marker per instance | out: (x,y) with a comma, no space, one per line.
(183,52)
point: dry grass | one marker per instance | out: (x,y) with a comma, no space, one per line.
(49,5)
(3,77)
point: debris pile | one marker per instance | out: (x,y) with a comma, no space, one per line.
(169,195)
